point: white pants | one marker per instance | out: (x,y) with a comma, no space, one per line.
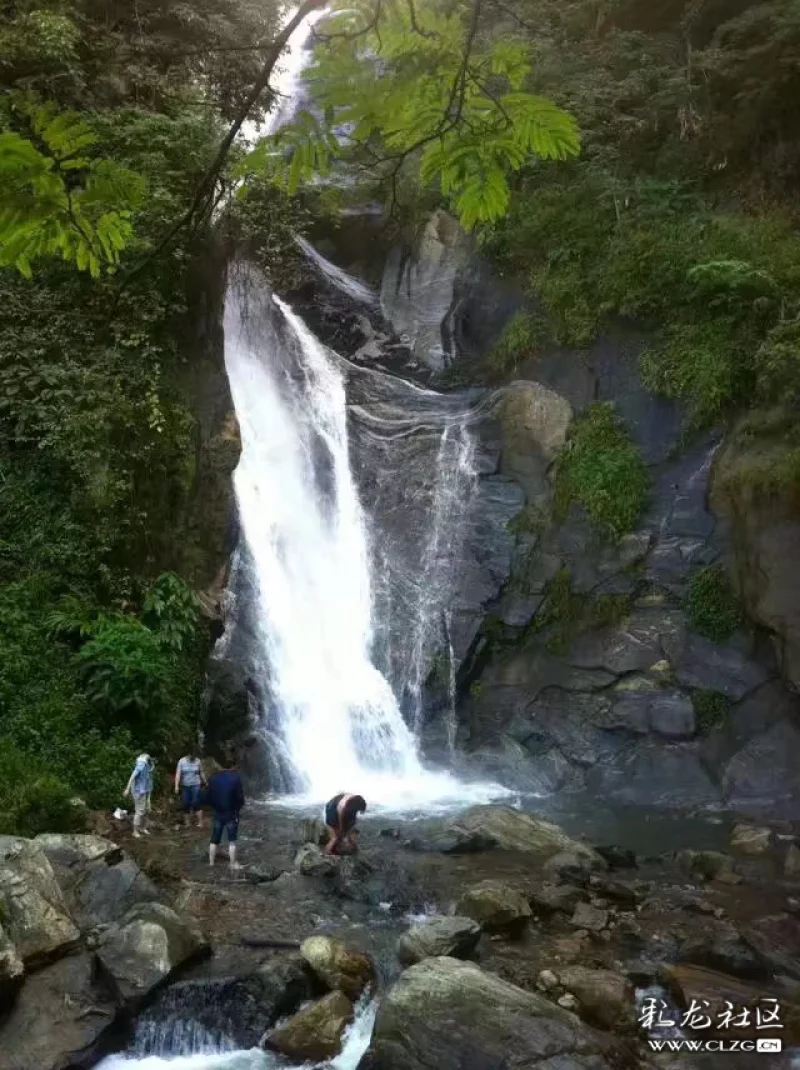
(141,807)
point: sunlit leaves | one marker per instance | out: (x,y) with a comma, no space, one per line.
(60,201)
(402,82)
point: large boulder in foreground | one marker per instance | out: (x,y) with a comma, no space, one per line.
(145,949)
(99,882)
(500,827)
(496,906)
(62,1017)
(444,1013)
(315,1033)
(32,908)
(455,937)
(605,999)
(339,967)
(12,971)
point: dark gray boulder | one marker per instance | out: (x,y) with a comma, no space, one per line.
(12,971)
(455,937)
(34,913)
(444,1014)
(725,669)
(63,1016)
(145,949)
(722,948)
(762,776)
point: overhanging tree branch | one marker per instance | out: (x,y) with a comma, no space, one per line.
(204,192)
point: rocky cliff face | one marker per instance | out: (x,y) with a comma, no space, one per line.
(586,673)
(206,532)
(765,530)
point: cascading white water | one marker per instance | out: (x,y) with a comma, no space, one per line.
(333,713)
(454,479)
(180,1053)
(353,288)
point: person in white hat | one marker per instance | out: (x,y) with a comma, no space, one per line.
(140,788)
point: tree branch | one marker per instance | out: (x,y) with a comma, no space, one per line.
(325,38)
(205,187)
(415,26)
(512,14)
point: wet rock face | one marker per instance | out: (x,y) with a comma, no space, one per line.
(498,1024)
(454,937)
(338,966)
(61,896)
(766,530)
(618,709)
(496,905)
(145,948)
(482,828)
(35,915)
(314,1033)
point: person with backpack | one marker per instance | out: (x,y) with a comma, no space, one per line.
(226,797)
(140,788)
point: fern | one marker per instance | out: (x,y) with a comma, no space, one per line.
(71,618)
(60,201)
(400,89)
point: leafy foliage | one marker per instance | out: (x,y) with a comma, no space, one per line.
(33,800)
(712,608)
(395,83)
(171,610)
(601,468)
(565,613)
(97,436)
(61,200)
(710,707)
(519,340)
(679,215)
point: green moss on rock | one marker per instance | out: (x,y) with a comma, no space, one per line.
(711,605)
(602,469)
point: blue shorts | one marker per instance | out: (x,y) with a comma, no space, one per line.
(191,797)
(223,823)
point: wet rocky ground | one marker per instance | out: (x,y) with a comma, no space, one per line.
(567,940)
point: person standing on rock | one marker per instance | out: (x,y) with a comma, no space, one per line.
(189,782)
(341,814)
(140,788)
(226,796)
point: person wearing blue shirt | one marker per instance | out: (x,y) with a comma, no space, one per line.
(226,798)
(140,788)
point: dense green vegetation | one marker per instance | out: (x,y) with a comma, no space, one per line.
(100,641)
(566,613)
(711,708)
(712,608)
(601,468)
(680,213)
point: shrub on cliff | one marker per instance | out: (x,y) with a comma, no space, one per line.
(601,468)
(711,605)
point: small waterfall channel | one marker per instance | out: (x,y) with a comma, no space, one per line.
(179,1043)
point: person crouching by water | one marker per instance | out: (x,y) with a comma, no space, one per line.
(189,783)
(226,796)
(140,788)
(341,814)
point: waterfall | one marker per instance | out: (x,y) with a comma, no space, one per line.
(180,1045)
(352,288)
(332,716)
